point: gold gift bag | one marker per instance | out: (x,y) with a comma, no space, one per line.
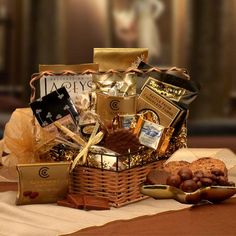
(118,58)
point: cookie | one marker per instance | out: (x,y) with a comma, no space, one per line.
(207,165)
(174,166)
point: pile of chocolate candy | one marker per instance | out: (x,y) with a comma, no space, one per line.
(188,181)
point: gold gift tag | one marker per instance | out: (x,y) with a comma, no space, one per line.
(42,182)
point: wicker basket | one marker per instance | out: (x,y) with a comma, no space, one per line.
(120,188)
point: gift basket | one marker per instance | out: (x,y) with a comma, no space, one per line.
(114,124)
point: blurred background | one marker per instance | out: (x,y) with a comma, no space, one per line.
(198,35)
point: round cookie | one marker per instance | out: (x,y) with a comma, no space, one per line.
(174,166)
(207,164)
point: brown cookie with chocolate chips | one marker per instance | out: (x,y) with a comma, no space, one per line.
(207,165)
(174,166)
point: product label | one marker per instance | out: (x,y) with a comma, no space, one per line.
(167,112)
(75,84)
(171,92)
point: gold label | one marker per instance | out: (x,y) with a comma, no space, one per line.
(109,106)
(171,92)
(166,111)
(42,183)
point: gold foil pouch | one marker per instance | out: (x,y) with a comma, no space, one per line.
(42,182)
(119,58)
(115,83)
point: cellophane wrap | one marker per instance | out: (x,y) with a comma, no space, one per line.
(22,138)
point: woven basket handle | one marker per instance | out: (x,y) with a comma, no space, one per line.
(154,69)
(136,70)
(35,77)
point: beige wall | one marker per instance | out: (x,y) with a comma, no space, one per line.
(86,28)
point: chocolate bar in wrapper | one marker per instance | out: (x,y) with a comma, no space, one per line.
(124,121)
(42,182)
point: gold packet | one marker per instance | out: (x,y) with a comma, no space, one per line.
(104,82)
(42,182)
(108,107)
(149,133)
(124,121)
(119,58)
(165,141)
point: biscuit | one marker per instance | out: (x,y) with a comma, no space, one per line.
(174,166)
(207,164)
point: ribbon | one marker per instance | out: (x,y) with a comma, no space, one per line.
(34,78)
(70,134)
(96,139)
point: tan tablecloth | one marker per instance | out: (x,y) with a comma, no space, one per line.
(51,220)
(204,220)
